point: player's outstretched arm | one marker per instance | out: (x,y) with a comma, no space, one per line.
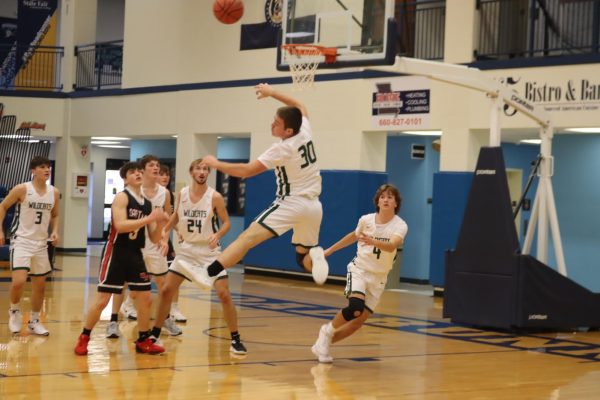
(340,244)
(17,194)
(265,90)
(240,170)
(395,242)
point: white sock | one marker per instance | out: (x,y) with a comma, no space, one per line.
(15,307)
(34,316)
(329,329)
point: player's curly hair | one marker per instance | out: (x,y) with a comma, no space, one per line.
(129,166)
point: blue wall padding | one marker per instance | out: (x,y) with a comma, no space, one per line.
(450,193)
(346,196)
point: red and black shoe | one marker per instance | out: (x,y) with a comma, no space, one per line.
(147,346)
(82,344)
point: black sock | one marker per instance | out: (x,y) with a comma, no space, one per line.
(235,336)
(155,332)
(114,317)
(215,268)
(143,336)
(87,332)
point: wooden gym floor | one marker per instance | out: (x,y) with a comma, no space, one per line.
(406,351)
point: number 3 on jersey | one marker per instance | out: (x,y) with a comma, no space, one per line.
(307,151)
(38,217)
(194,224)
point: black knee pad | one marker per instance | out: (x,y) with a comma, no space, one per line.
(355,308)
(300,259)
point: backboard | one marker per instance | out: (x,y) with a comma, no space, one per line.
(362,31)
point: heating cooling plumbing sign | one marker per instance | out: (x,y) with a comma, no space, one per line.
(401,103)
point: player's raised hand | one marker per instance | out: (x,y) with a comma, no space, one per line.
(210,161)
(263,90)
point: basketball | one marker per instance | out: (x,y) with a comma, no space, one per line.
(228,11)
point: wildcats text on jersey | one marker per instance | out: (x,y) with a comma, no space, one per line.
(194,213)
(40,206)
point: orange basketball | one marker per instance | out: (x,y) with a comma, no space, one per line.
(228,11)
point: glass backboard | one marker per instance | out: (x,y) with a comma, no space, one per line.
(362,31)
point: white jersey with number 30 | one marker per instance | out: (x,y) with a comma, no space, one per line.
(295,162)
(370,258)
(33,215)
(197,221)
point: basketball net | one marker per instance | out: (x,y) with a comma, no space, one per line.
(303,60)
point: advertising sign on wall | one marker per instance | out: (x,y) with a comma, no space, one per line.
(401,103)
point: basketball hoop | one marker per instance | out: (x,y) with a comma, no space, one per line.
(304,59)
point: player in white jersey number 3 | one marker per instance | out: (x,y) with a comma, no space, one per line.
(36,211)
(379,237)
(297,204)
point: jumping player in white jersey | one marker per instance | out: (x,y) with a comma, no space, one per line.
(122,260)
(379,236)
(197,214)
(36,211)
(297,204)
(155,256)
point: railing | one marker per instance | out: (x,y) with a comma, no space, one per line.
(30,67)
(537,28)
(421,28)
(99,65)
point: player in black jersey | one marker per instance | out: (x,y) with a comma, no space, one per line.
(122,261)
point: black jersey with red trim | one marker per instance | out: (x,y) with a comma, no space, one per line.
(135,210)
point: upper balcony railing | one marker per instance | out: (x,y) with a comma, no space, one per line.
(99,65)
(421,28)
(537,28)
(30,67)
